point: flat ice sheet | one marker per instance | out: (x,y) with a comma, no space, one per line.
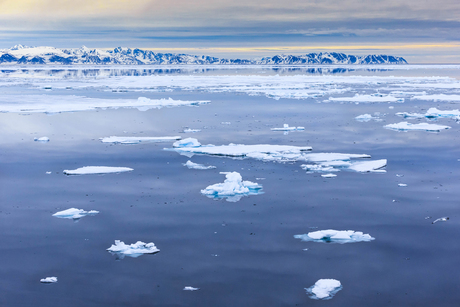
(74,213)
(233,188)
(406,126)
(438,97)
(87,170)
(120,249)
(335,236)
(138,139)
(324,289)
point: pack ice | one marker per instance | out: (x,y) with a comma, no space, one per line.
(87,170)
(432,113)
(335,236)
(74,213)
(192,165)
(233,188)
(324,289)
(138,139)
(120,249)
(406,126)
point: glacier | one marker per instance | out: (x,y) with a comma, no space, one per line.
(74,213)
(87,170)
(335,236)
(233,188)
(120,249)
(324,289)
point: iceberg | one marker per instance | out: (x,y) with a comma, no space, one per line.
(43,139)
(187,143)
(287,128)
(192,165)
(324,289)
(368,98)
(405,126)
(188,288)
(120,249)
(86,170)
(233,188)
(74,213)
(432,113)
(49,280)
(137,139)
(335,236)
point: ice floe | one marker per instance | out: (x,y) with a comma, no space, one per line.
(188,288)
(406,126)
(86,170)
(233,188)
(49,280)
(188,130)
(441,219)
(329,175)
(335,236)
(368,117)
(368,98)
(438,97)
(71,103)
(74,213)
(120,249)
(192,165)
(43,139)
(324,289)
(187,143)
(432,113)
(337,162)
(402,184)
(287,128)
(138,139)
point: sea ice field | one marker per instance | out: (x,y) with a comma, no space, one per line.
(242,185)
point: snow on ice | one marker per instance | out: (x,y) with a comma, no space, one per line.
(324,289)
(137,139)
(120,249)
(335,236)
(192,165)
(74,213)
(406,126)
(86,170)
(233,188)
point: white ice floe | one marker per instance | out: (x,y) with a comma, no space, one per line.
(329,175)
(74,213)
(188,288)
(188,130)
(192,165)
(337,162)
(233,188)
(335,236)
(49,280)
(441,219)
(369,166)
(402,184)
(368,98)
(406,126)
(48,173)
(324,289)
(138,139)
(120,249)
(72,103)
(287,128)
(364,117)
(438,97)
(432,113)
(187,143)
(86,170)
(43,139)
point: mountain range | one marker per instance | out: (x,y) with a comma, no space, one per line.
(20,54)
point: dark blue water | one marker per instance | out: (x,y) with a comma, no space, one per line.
(238,254)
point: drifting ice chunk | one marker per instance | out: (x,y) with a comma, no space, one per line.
(329,175)
(188,130)
(137,139)
(369,166)
(432,113)
(43,139)
(324,289)
(97,170)
(74,213)
(48,280)
(188,288)
(405,126)
(335,236)
(186,143)
(233,188)
(441,219)
(120,249)
(368,98)
(192,165)
(402,184)
(364,117)
(287,128)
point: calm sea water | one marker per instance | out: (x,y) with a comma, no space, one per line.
(238,254)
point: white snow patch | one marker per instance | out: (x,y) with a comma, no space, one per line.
(233,188)
(97,170)
(188,288)
(406,126)
(192,165)
(138,139)
(49,280)
(324,289)
(43,139)
(74,213)
(134,250)
(335,236)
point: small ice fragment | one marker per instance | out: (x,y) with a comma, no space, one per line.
(399,175)
(335,236)
(391,107)
(48,173)
(405,126)
(402,184)
(233,188)
(260,178)
(74,213)
(192,165)
(120,249)
(43,139)
(137,140)
(86,170)
(427,217)
(364,117)
(305,249)
(188,130)
(226,123)
(441,219)
(329,175)
(188,288)
(324,289)
(186,143)
(48,280)
(285,128)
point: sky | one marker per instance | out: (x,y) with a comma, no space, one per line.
(422,31)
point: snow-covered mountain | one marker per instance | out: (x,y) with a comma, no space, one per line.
(20,54)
